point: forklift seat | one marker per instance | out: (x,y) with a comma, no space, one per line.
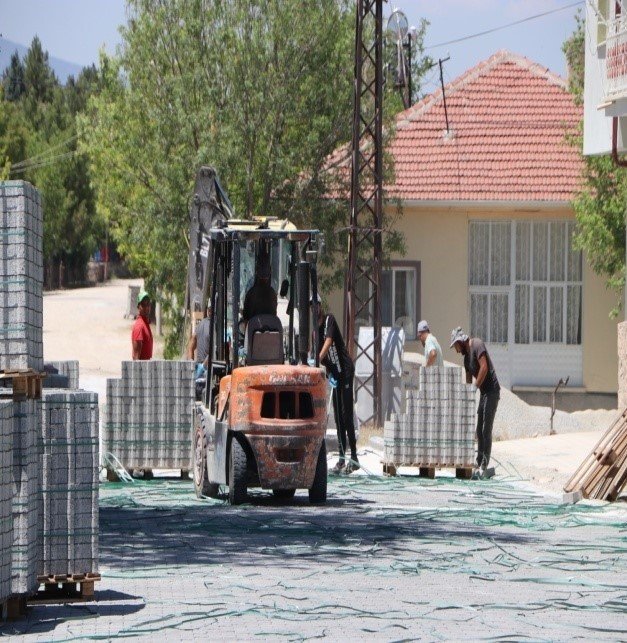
(264,339)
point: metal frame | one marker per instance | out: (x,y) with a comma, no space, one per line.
(366,215)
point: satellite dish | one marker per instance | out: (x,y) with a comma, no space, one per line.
(398,25)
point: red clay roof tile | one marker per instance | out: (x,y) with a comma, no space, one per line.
(509,119)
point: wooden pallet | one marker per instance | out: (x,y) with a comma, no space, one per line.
(26,383)
(603,473)
(427,470)
(64,588)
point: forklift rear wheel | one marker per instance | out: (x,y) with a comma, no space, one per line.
(238,473)
(203,487)
(318,491)
(284,494)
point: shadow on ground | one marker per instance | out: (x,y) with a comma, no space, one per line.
(42,618)
(146,529)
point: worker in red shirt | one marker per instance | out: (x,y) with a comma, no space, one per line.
(141,336)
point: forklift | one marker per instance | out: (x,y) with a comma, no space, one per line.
(262,414)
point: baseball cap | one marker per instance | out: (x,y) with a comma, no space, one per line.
(423,326)
(141,296)
(458,335)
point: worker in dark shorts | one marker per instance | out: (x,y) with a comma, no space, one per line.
(478,365)
(341,371)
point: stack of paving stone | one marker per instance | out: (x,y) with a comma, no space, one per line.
(26,497)
(69,486)
(68,368)
(438,425)
(149,415)
(21,276)
(6,498)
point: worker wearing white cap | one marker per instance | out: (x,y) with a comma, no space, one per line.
(433,352)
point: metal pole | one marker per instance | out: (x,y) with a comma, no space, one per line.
(363,278)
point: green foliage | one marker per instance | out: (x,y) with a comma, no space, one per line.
(600,205)
(38,143)
(13,79)
(260,89)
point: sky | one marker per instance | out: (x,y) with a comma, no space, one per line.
(75,30)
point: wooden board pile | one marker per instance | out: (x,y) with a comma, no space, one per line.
(603,474)
(149,415)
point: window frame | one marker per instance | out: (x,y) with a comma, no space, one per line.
(549,285)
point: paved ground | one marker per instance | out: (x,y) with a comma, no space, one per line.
(386,559)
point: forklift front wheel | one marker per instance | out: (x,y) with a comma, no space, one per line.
(203,487)
(238,473)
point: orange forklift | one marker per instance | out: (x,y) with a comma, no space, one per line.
(262,414)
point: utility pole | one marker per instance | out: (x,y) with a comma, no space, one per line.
(363,278)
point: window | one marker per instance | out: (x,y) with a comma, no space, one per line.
(547,305)
(399,297)
(532,266)
(490,278)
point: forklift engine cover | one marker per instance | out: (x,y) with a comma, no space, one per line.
(282,412)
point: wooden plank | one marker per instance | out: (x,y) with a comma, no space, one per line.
(427,472)
(463,473)
(587,473)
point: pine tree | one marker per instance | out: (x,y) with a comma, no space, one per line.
(13,79)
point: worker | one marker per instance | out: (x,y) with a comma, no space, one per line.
(198,347)
(433,352)
(334,356)
(478,365)
(261,298)
(141,335)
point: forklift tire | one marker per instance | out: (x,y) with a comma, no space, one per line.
(204,488)
(318,491)
(284,494)
(238,473)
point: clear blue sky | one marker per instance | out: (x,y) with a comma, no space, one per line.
(74,30)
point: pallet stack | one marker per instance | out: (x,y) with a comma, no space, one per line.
(69,486)
(68,368)
(149,415)
(26,498)
(21,276)
(6,499)
(603,474)
(437,428)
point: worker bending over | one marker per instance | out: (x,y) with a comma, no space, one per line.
(339,365)
(433,352)
(478,364)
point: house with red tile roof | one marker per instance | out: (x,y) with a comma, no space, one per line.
(488,226)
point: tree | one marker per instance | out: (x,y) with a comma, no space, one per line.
(13,79)
(38,143)
(261,89)
(600,203)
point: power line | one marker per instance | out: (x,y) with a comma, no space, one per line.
(41,163)
(36,158)
(509,24)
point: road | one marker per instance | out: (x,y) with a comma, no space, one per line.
(386,559)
